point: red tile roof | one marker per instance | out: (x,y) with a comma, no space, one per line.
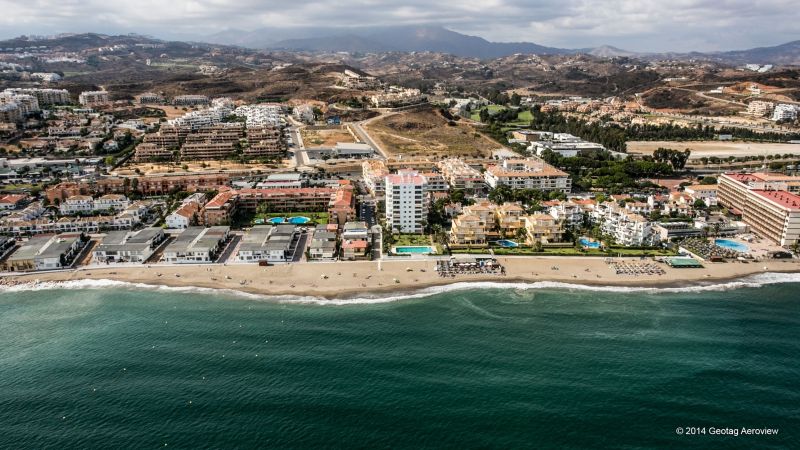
(785,199)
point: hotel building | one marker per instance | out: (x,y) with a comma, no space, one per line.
(765,202)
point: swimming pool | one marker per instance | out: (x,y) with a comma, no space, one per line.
(732,245)
(505,243)
(299,220)
(420,250)
(586,242)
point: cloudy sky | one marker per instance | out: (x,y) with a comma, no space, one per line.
(639,25)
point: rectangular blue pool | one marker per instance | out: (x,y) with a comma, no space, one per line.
(421,249)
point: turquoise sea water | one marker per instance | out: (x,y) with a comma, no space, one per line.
(478,368)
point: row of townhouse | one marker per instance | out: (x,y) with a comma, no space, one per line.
(197,245)
(47,252)
(150,185)
(269,243)
(84,204)
(128,246)
(31,221)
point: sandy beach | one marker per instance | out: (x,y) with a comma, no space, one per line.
(350,279)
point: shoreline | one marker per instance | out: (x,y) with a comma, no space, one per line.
(348,280)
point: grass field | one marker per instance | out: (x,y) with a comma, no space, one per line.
(428,134)
(493,109)
(523,118)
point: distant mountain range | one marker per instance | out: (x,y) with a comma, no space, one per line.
(788,53)
(386,39)
(442,40)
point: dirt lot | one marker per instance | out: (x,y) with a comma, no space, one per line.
(426,133)
(326,138)
(715,148)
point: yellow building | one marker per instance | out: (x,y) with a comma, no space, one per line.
(543,228)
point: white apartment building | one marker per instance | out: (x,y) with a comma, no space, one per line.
(196,245)
(92,98)
(571,214)
(111,202)
(44,96)
(406,201)
(626,228)
(705,192)
(261,115)
(195,120)
(77,204)
(529,173)
(127,246)
(784,112)
(760,108)
(26,103)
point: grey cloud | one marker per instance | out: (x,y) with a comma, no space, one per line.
(643,25)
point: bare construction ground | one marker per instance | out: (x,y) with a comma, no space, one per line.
(326,138)
(720,149)
(426,133)
(191,167)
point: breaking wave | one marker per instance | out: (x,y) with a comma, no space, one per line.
(752,281)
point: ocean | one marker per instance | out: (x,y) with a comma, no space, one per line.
(472,366)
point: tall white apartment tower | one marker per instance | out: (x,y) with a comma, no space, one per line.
(406,201)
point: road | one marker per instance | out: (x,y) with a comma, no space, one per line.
(365,137)
(300,247)
(228,252)
(358,127)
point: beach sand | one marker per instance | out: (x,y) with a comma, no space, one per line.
(349,279)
